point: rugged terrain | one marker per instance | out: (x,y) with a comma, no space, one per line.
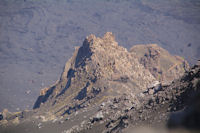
(106,88)
(98,70)
(37,37)
(162,65)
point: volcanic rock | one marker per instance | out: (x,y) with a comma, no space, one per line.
(98,70)
(162,65)
(105,88)
(180,100)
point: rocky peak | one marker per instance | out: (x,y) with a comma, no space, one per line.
(104,84)
(89,39)
(109,37)
(99,69)
(95,42)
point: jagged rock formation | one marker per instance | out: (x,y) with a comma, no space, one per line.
(104,88)
(162,65)
(180,99)
(99,68)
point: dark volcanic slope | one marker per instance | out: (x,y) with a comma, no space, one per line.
(37,37)
(176,105)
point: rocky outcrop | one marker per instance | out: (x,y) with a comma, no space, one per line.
(10,118)
(105,88)
(180,100)
(99,69)
(162,65)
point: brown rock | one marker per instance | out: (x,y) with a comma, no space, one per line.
(98,70)
(162,65)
